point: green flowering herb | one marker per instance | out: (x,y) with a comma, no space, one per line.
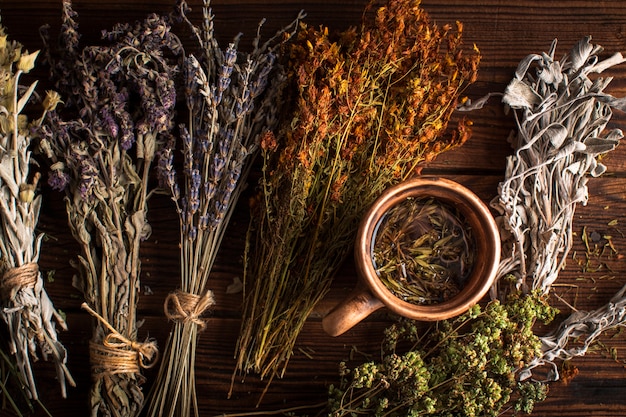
(460,367)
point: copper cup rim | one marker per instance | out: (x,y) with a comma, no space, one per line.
(487,239)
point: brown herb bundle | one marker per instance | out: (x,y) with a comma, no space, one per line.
(231,98)
(370,105)
(24,304)
(119,109)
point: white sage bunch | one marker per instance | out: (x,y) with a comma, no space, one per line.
(561,112)
(24,304)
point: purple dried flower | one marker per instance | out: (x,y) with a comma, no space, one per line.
(192,232)
(209,189)
(230,55)
(218,167)
(127,140)
(58,180)
(88,178)
(166,91)
(109,124)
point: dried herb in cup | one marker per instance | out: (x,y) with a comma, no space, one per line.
(423,250)
(119,110)
(24,304)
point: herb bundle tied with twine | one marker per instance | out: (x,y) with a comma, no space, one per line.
(231,98)
(119,110)
(25,306)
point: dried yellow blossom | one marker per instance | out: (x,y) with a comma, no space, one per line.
(52,100)
(27,62)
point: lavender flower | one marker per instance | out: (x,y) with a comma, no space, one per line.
(218,145)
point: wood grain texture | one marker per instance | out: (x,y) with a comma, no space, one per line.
(505,32)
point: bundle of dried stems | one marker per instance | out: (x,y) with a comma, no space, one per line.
(119,110)
(25,306)
(371,105)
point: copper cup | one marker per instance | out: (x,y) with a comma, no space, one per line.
(371,293)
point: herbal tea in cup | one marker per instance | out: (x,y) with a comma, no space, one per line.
(423,250)
(427,249)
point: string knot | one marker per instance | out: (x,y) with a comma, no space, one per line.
(14,279)
(117,354)
(184,307)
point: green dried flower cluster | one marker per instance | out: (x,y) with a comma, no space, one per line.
(459,367)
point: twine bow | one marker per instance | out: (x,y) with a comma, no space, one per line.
(117,354)
(184,307)
(14,279)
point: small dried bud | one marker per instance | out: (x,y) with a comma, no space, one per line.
(52,100)
(27,193)
(27,62)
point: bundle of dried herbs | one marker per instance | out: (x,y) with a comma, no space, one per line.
(423,251)
(232,99)
(370,105)
(25,307)
(562,112)
(458,367)
(119,109)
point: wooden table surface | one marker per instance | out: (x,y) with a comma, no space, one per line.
(505,32)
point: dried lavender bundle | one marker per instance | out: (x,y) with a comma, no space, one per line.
(561,111)
(24,304)
(232,101)
(370,105)
(120,107)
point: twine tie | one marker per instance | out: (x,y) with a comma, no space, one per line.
(117,354)
(183,307)
(14,279)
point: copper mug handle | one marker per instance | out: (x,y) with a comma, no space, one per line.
(355,308)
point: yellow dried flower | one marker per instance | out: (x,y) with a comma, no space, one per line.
(27,62)
(52,100)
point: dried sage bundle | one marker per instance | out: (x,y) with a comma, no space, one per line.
(24,304)
(562,112)
(120,99)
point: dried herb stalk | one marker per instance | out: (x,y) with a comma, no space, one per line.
(369,107)
(25,306)
(232,99)
(119,109)
(562,112)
